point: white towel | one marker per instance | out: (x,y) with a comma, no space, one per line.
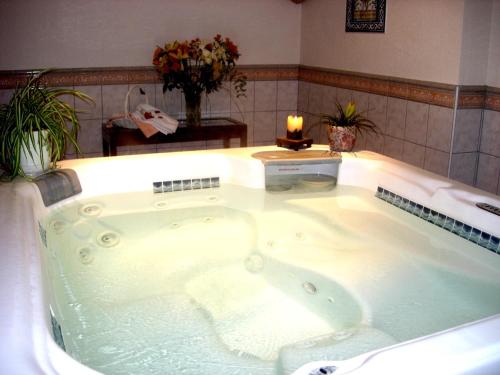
(158,119)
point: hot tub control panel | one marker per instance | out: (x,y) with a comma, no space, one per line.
(300,172)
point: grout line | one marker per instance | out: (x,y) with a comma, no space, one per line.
(455,110)
(478,147)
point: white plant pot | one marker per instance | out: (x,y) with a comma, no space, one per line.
(32,165)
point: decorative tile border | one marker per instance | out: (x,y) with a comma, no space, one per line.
(112,76)
(84,77)
(424,92)
(492,99)
(419,91)
(452,225)
(270,72)
(187,184)
(470,97)
(486,97)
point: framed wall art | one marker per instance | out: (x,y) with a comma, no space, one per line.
(365,16)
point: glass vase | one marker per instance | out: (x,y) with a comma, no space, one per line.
(193,109)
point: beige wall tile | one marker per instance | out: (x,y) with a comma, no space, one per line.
(88,111)
(113,99)
(440,128)
(136,150)
(360,142)
(287,95)
(311,127)
(181,146)
(344,96)
(219,102)
(467,126)
(69,99)
(417,116)
(92,155)
(265,95)
(247,118)
(90,136)
(436,161)
(490,135)
(377,111)
(375,143)
(265,143)
(413,154)
(463,167)
(362,100)
(169,102)
(315,97)
(281,123)
(219,143)
(488,173)
(393,147)
(396,117)
(264,127)
(243,103)
(329,100)
(303,99)
(168,147)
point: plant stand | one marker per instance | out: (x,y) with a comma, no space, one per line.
(294,144)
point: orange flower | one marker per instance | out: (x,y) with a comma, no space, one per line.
(156,56)
(232,48)
(197,65)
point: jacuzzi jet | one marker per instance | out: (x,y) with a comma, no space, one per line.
(309,288)
(175,225)
(208,219)
(108,239)
(91,209)
(254,263)
(58,226)
(271,243)
(331,299)
(212,198)
(85,255)
(160,204)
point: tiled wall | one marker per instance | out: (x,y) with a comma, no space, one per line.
(417,120)
(476,143)
(263,109)
(417,133)
(488,171)
(271,95)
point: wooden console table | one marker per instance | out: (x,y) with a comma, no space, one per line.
(211,129)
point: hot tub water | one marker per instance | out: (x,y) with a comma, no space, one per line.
(239,281)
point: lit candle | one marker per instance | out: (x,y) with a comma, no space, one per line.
(294,123)
(294,127)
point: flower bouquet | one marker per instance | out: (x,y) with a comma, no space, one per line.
(198,66)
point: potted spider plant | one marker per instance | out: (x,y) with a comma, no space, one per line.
(344,126)
(36,126)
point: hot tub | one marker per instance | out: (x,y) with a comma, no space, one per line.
(184,263)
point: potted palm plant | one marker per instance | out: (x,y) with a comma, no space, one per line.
(345,126)
(36,126)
